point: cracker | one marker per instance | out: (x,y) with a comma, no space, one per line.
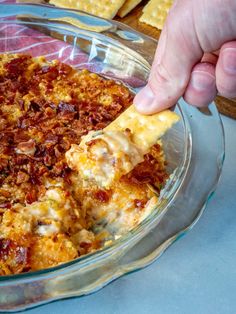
(146,130)
(81,25)
(103,8)
(155,12)
(128,6)
(35,1)
(105,156)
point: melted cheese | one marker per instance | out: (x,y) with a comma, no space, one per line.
(55,211)
(48,230)
(121,213)
(69,217)
(104,156)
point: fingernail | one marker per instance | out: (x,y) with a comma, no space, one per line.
(144,99)
(229,60)
(201,80)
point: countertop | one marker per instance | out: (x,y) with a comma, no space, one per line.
(196,275)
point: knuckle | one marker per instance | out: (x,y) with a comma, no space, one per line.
(161,76)
(227,90)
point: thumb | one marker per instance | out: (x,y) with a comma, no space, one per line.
(178,51)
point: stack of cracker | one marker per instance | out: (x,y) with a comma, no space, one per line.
(103,8)
(154,13)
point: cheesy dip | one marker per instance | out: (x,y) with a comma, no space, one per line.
(48,214)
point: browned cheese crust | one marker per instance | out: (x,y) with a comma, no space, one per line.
(44,108)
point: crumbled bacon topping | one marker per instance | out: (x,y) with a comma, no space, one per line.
(34,141)
(14,257)
(102,195)
(151,171)
(26,148)
(44,108)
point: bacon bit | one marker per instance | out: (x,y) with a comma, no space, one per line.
(41,190)
(48,160)
(21,254)
(94,142)
(21,160)
(51,139)
(6,150)
(49,112)
(67,194)
(45,69)
(4,248)
(65,174)
(34,106)
(102,196)
(13,254)
(64,69)
(22,177)
(27,148)
(41,171)
(31,197)
(5,205)
(61,130)
(21,104)
(66,142)
(40,223)
(3,122)
(16,66)
(85,245)
(35,179)
(3,163)
(51,72)
(7,137)
(156,148)
(23,123)
(21,137)
(58,150)
(59,168)
(5,193)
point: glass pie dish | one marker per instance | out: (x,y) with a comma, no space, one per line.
(194,149)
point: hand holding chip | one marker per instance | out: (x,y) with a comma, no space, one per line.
(196,56)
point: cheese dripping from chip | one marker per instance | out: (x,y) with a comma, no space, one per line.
(105,156)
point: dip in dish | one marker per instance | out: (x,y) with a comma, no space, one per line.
(193,149)
(48,215)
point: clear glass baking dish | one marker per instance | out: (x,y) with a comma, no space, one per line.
(194,149)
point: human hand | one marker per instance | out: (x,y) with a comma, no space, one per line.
(195,58)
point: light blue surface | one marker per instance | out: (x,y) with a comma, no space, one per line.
(196,275)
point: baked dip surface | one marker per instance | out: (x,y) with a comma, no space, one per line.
(48,215)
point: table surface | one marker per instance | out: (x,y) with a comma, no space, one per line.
(196,275)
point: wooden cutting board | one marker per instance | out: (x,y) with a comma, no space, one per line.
(225,106)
